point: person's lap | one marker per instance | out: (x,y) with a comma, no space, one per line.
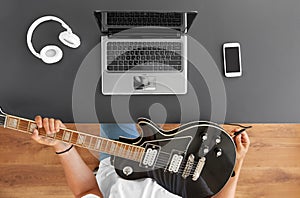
(114,131)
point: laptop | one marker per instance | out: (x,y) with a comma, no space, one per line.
(144,52)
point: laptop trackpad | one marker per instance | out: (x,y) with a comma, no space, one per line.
(144,83)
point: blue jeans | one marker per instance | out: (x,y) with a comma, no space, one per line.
(113,131)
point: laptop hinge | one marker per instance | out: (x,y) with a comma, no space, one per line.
(145,33)
(119,35)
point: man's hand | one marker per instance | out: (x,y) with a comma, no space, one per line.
(51,126)
(80,178)
(242,143)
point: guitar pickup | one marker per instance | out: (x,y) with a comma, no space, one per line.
(175,161)
(150,156)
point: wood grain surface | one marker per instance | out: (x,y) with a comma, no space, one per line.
(271,168)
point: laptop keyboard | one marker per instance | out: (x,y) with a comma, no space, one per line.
(167,19)
(144,56)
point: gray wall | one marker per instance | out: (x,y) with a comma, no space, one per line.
(269,32)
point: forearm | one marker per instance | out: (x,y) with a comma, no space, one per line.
(229,189)
(79,176)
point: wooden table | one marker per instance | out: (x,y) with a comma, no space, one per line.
(271,168)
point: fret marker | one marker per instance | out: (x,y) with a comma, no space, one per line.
(97,146)
(32,127)
(112,148)
(13,123)
(80,139)
(67,136)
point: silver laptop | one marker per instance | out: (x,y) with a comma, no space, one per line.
(144,52)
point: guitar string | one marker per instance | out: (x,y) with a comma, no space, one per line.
(195,164)
(161,162)
(59,136)
(191,172)
(164,163)
(180,170)
(182,165)
(167,159)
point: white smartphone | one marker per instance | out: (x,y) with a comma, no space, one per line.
(232,59)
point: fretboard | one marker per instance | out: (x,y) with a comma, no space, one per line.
(80,139)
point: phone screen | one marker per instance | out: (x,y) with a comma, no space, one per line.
(232,59)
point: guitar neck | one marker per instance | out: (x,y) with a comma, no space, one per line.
(79,139)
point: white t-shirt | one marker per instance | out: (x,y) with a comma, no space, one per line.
(113,186)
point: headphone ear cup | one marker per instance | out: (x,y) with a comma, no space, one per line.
(51,54)
(69,39)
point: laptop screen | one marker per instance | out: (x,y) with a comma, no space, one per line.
(116,21)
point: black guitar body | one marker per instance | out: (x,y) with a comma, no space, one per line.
(175,157)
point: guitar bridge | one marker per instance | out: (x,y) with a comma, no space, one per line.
(188,166)
(199,168)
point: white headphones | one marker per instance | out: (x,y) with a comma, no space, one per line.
(51,53)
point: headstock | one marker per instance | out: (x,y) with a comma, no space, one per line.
(2,117)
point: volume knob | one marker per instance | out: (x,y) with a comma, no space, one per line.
(218,140)
(205,149)
(218,152)
(204,136)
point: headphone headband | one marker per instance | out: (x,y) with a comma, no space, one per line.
(37,23)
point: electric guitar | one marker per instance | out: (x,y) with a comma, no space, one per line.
(193,160)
